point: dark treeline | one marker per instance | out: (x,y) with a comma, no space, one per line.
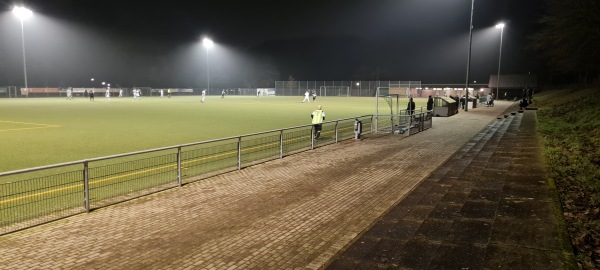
(569,42)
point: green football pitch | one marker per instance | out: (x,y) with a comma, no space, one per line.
(43,131)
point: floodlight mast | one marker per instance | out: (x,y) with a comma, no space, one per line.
(23,13)
(469,57)
(501,26)
(208,43)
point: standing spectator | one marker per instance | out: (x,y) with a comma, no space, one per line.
(306,94)
(488,99)
(318,116)
(203,95)
(92,95)
(410,109)
(529,95)
(429,104)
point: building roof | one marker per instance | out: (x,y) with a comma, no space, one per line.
(518,81)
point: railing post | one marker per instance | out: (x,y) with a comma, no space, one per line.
(372,124)
(336,131)
(281,143)
(410,120)
(312,137)
(179,181)
(86,187)
(239,153)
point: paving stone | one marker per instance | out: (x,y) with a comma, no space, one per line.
(516,257)
(452,256)
(473,231)
(479,209)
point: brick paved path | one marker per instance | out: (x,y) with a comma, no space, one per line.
(294,213)
(487,207)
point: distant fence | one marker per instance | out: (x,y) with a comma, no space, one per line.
(282,88)
(39,195)
(340,88)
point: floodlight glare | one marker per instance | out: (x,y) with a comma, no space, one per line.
(500,25)
(22,12)
(208,43)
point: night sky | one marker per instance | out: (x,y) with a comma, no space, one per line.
(158,44)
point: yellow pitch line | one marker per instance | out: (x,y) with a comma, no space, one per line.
(105,179)
(80,185)
(125,175)
(25,123)
(13,129)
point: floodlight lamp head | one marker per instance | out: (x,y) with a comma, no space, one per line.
(207,42)
(500,25)
(22,13)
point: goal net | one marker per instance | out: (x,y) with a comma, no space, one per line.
(342,91)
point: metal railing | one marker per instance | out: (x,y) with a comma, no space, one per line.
(34,196)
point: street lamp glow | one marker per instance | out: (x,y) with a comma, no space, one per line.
(22,13)
(500,25)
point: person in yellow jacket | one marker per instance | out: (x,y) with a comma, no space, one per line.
(318,116)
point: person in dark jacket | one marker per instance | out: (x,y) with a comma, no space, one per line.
(524,103)
(430,104)
(411,106)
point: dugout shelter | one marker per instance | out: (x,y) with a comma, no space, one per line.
(444,106)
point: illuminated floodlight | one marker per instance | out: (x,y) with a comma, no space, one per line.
(207,42)
(22,13)
(500,25)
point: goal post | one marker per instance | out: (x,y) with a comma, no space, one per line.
(340,91)
(387,109)
(387,102)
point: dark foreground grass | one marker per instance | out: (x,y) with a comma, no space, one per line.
(569,121)
(36,132)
